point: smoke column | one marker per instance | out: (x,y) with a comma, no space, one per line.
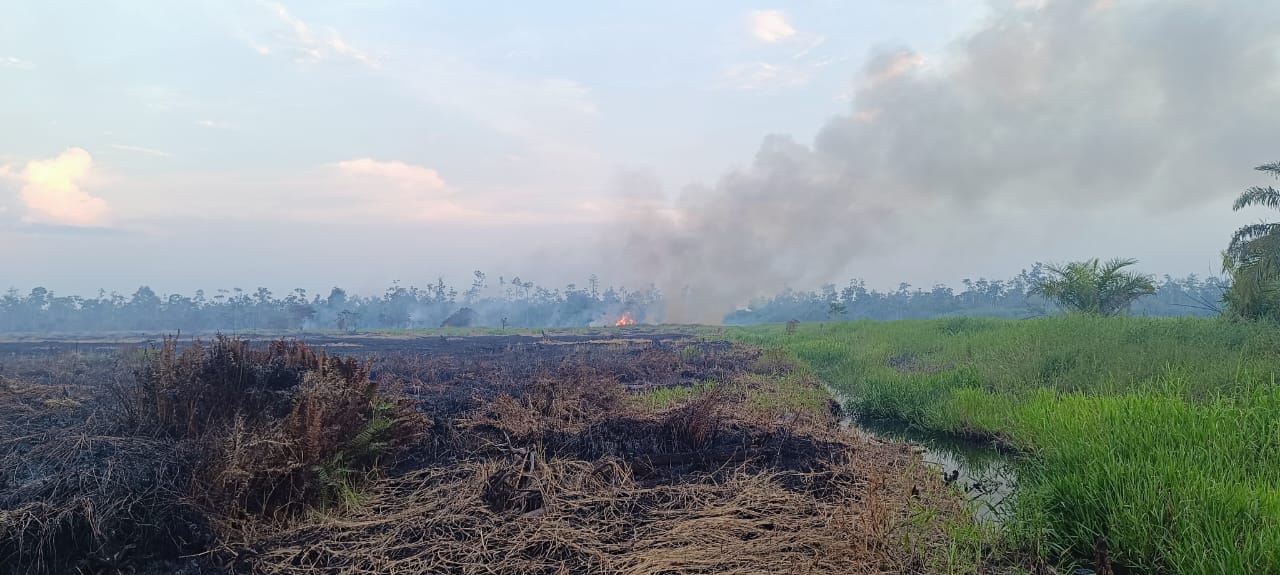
(1047,104)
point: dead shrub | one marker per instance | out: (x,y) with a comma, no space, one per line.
(567,401)
(280,427)
(513,417)
(202,388)
(697,424)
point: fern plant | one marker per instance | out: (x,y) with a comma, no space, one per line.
(374,439)
(339,476)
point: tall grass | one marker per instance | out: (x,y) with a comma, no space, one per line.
(1161,435)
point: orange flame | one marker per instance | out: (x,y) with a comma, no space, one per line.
(625,319)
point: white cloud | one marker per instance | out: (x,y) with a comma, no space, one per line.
(778,71)
(1031,4)
(52,194)
(16,63)
(394,190)
(361,191)
(755,76)
(770,26)
(571,94)
(552,121)
(373,190)
(142,150)
(260,48)
(214,125)
(310,43)
(163,97)
(396,173)
(811,46)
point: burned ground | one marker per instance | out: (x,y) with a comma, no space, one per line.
(628,452)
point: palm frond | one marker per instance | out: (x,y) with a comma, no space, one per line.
(1116,264)
(1272,168)
(1094,288)
(1254,231)
(1253,243)
(1257,196)
(1254,292)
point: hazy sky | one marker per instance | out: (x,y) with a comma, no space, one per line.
(237,143)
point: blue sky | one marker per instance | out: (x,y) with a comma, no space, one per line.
(242,142)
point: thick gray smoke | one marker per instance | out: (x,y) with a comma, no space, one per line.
(1058,104)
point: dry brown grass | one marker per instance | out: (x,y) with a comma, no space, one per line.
(536,460)
(193,446)
(75,497)
(560,473)
(593,517)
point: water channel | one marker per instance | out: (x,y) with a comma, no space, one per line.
(984,472)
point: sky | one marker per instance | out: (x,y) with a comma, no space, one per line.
(242,143)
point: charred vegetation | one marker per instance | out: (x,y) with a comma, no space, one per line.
(660,453)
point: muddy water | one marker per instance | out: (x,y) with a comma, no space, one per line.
(986,475)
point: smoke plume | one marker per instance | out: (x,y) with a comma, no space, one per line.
(1048,104)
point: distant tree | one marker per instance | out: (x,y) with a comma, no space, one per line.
(1094,288)
(297,309)
(337,298)
(347,320)
(1253,257)
(477,287)
(145,308)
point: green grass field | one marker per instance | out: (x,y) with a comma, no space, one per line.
(1162,435)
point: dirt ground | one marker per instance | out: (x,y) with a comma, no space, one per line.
(616,452)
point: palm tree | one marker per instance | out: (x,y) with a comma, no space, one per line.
(1094,288)
(1253,256)
(1250,244)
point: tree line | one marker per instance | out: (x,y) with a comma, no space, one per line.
(517,303)
(1022,296)
(512,303)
